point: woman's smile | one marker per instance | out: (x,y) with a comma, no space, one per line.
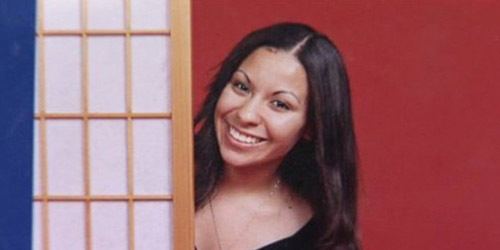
(242,137)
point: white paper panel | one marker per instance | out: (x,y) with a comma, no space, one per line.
(150,14)
(109,226)
(152,156)
(36,159)
(106,14)
(62,14)
(153,225)
(63,77)
(106,78)
(67,226)
(37,226)
(106,74)
(64,156)
(108,157)
(150,74)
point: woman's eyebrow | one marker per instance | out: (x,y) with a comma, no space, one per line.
(244,74)
(287,92)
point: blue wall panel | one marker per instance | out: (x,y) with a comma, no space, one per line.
(17,46)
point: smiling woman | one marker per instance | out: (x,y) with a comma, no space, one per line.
(275,150)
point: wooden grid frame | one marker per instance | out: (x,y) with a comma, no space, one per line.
(180,116)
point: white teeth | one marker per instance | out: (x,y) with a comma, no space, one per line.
(243,138)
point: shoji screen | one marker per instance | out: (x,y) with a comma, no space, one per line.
(112,100)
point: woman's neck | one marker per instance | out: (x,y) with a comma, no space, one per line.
(248,179)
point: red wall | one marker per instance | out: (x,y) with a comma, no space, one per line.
(426,86)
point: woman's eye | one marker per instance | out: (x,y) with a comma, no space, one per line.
(241,87)
(280,105)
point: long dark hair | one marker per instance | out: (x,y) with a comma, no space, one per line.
(321,169)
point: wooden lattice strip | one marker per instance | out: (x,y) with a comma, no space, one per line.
(103,198)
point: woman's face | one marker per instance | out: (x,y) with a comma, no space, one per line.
(261,113)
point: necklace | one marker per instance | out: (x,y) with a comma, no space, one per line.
(275,188)
(215,224)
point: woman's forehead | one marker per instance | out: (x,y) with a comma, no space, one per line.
(267,63)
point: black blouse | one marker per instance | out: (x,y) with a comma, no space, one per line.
(301,240)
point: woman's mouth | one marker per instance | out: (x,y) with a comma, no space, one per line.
(242,137)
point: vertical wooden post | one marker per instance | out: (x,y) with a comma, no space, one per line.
(182,135)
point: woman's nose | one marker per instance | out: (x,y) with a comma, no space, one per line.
(248,113)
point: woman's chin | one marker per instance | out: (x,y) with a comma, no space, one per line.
(238,163)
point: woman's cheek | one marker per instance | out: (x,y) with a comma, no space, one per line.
(287,128)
